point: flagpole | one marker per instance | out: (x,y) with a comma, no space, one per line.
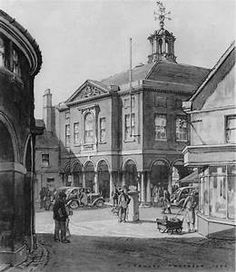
(130,83)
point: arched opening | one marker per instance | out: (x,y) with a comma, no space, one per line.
(160,46)
(131,174)
(89,176)
(67,178)
(28,193)
(6,146)
(159,175)
(103,179)
(77,175)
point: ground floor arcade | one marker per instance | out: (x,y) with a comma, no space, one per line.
(101,174)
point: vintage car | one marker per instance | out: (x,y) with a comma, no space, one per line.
(74,197)
(179,196)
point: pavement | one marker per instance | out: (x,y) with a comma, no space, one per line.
(100,243)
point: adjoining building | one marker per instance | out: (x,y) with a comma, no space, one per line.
(212,112)
(20,61)
(130,127)
(47,150)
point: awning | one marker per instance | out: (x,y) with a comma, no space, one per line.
(191,178)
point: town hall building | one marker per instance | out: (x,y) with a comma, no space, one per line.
(130,128)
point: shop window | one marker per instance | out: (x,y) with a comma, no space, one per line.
(217,205)
(2,53)
(205,194)
(67,135)
(89,128)
(15,63)
(181,129)
(45,160)
(160,127)
(102,129)
(217,192)
(231,174)
(76,133)
(231,129)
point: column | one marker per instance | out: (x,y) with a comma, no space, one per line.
(83,179)
(148,188)
(163,45)
(142,188)
(139,190)
(96,182)
(123,178)
(111,184)
(72,180)
(170,181)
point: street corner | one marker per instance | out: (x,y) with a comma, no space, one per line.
(36,261)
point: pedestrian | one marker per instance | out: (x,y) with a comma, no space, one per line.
(115,195)
(123,202)
(84,197)
(60,217)
(42,195)
(166,201)
(189,207)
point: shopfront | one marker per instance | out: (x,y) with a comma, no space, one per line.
(217,199)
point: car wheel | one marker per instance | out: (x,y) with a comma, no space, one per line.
(74,205)
(99,203)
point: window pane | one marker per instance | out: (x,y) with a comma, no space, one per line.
(102,129)
(2,52)
(89,128)
(181,129)
(231,129)
(76,133)
(160,127)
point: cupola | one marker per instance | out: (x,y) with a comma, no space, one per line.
(162,41)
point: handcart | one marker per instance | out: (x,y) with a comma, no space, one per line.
(171,225)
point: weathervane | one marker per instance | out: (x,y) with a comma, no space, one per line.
(161,15)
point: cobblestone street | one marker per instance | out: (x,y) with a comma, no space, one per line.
(100,243)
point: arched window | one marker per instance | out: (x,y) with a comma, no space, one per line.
(15,63)
(2,53)
(89,128)
(160,45)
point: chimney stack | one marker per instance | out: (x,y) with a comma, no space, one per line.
(47,110)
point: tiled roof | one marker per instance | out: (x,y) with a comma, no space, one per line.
(138,73)
(178,73)
(46,140)
(162,71)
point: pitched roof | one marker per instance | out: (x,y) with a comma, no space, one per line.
(46,140)
(138,73)
(178,73)
(215,69)
(164,71)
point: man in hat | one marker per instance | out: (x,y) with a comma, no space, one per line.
(123,202)
(60,217)
(189,206)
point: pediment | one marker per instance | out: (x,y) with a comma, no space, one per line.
(88,90)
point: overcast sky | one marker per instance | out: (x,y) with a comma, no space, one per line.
(86,39)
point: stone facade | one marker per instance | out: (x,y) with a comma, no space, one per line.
(129,129)
(212,111)
(20,61)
